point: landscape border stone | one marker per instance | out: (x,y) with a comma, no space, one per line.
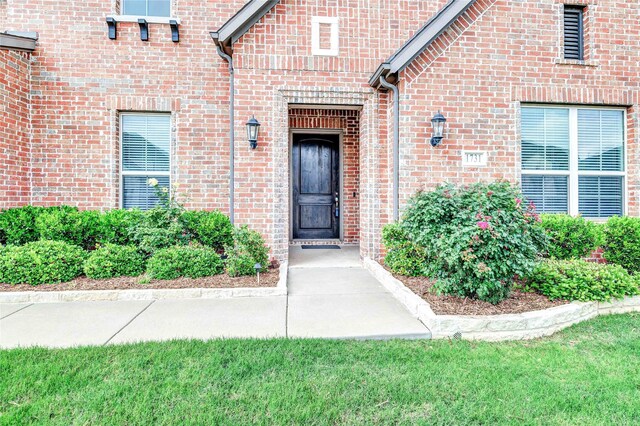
(528,325)
(147,294)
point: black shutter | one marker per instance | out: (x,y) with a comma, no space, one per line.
(573,33)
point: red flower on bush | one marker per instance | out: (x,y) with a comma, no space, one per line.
(483,225)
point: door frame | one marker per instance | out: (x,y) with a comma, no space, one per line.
(319,132)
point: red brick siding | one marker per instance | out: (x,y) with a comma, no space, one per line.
(14,128)
(348,122)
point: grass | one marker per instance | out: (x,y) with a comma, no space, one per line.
(589,374)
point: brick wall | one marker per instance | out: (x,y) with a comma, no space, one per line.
(348,122)
(14,128)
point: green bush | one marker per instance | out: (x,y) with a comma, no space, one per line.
(403,257)
(476,239)
(112,260)
(248,249)
(41,262)
(184,261)
(622,242)
(118,226)
(210,228)
(570,237)
(18,225)
(160,228)
(81,228)
(581,281)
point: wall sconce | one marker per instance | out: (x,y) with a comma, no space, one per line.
(175,34)
(144,29)
(437,122)
(113,27)
(253,127)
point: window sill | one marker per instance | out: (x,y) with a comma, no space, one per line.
(562,61)
(150,19)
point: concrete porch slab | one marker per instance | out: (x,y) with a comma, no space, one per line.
(303,281)
(360,316)
(346,257)
(208,319)
(7,309)
(59,325)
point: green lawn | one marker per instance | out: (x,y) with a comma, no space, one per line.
(589,374)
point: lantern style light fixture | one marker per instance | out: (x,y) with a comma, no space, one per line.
(253,127)
(437,122)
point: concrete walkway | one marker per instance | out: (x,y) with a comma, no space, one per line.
(330,296)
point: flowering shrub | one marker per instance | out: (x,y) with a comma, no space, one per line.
(403,257)
(570,237)
(476,239)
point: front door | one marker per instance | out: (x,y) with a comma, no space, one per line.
(316,186)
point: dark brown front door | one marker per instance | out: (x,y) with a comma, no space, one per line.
(315,170)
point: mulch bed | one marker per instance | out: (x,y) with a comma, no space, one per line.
(517,303)
(267,279)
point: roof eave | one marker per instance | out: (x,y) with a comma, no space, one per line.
(438,24)
(242,21)
(18,41)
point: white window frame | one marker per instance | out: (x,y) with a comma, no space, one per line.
(124,173)
(316,21)
(573,173)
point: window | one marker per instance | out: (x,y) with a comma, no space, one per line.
(145,154)
(146,7)
(573,160)
(573,33)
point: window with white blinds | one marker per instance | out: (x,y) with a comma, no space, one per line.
(573,160)
(145,154)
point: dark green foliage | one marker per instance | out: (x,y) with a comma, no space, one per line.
(81,228)
(41,262)
(582,281)
(570,237)
(210,228)
(248,249)
(110,260)
(622,242)
(403,256)
(18,225)
(476,239)
(184,261)
(118,226)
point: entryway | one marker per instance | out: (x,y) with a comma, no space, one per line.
(315,171)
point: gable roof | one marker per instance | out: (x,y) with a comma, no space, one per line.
(435,26)
(241,22)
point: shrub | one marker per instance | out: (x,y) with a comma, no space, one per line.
(184,261)
(112,260)
(18,225)
(160,228)
(210,228)
(622,242)
(476,239)
(248,249)
(581,280)
(41,262)
(403,256)
(570,237)
(81,228)
(118,226)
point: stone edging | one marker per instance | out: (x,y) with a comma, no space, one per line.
(527,325)
(150,294)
